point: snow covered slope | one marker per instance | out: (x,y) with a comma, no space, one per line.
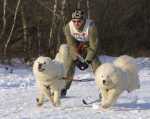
(18,92)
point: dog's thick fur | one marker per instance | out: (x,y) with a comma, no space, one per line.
(48,74)
(63,57)
(114,78)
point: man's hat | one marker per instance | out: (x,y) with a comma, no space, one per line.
(78,14)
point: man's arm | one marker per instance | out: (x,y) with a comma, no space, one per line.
(93,43)
(71,41)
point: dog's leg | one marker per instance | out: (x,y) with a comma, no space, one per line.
(40,98)
(104,94)
(112,96)
(133,97)
(49,93)
(56,98)
(51,97)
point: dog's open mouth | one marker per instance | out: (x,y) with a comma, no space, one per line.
(40,68)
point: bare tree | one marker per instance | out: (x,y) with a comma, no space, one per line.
(4,19)
(24,25)
(11,32)
(79,4)
(53,26)
(38,25)
(39,39)
(62,23)
(88,9)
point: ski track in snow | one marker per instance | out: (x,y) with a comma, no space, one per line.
(18,92)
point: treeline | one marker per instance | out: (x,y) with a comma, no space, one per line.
(29,28)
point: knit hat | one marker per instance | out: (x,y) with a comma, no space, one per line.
(78,14)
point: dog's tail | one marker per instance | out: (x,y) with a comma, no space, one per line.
(128,65)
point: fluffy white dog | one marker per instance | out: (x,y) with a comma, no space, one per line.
(48,74)
(114,78)
(63,57)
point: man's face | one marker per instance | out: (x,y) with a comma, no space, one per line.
(77,23)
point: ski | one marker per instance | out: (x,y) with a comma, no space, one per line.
(78,80)
(83,80)
(89,103)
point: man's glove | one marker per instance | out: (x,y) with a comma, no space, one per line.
(81,65)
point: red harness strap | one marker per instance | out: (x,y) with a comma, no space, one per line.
(81,47)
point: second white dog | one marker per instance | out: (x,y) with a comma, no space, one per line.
(114,78)
(63,57)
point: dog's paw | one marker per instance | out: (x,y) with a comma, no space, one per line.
(57,104)
(103,109)
(105,106)
(38,102)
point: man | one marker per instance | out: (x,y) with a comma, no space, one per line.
(81,37)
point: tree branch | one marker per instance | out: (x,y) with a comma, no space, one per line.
(14,21)
(4,19)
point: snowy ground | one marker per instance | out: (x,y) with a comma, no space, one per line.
(18,92)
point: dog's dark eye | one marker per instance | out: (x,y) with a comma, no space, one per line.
(107,76)
(44,63)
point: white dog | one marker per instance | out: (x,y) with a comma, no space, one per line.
(49,74)
(114,78)
(63,57)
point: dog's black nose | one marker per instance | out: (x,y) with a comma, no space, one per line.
(104,81)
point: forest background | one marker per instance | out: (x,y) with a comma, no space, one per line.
(29,28)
